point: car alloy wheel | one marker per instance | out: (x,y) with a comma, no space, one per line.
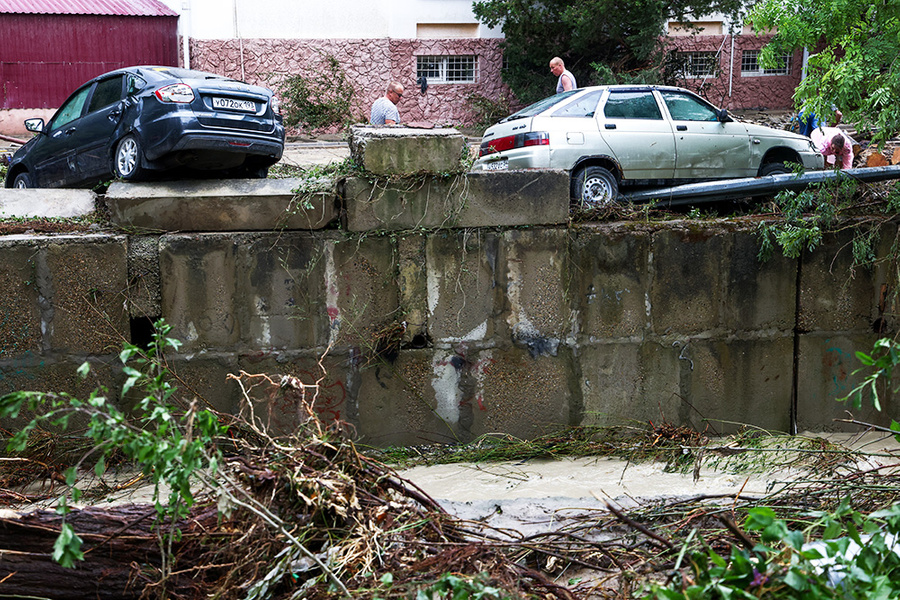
(128,158)
(22,181)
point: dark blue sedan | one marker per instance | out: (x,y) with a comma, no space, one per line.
(132,122)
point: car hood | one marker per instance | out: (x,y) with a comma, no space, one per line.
(763,131)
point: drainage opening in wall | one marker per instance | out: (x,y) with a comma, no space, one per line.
(142,331)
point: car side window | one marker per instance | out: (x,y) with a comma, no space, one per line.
(72,109)
(583,107)
(632,105)
(684,107)
(106,92)
(135,84)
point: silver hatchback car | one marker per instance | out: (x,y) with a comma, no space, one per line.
(610,137)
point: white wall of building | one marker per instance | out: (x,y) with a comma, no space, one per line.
(318,19)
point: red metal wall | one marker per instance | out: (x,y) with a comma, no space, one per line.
(43,58)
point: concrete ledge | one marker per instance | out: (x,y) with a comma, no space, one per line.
(510,199)
(229,205)
(406,151)
(57,203)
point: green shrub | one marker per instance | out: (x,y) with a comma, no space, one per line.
(324,99)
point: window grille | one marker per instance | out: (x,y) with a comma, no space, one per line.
(699,64)
(750,64)
(447,69)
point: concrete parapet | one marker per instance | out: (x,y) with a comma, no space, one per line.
(46,203)
(834,296)
(826,368)
(392,151)
(506,199)
(235,205)
(608,280)
(62,294)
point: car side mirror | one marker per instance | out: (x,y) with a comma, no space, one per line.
(722,115)
(35,125)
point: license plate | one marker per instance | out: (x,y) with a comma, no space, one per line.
(232,104)
(497,165)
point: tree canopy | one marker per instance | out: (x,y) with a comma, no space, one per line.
(854,46)
(601,41)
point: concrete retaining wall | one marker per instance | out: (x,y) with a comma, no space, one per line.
(515,330)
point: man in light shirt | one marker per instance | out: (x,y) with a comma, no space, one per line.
(384,110)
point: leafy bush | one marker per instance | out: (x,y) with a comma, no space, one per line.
(324,99)
(488,111)
(857,557)
(173,447)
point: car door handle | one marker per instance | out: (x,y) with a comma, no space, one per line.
(610,126)
(681,127)
(113,115)
(70,131)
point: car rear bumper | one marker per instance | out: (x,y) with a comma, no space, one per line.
(227,143)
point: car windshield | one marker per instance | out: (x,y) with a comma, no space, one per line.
(541,106)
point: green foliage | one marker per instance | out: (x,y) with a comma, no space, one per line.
(879,365)
(451,586)
(169,445)
(855,67)
(623,36)
(805,216)
(322,99)
(488,111)
(783,564)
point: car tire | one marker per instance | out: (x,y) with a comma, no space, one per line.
(127,159)
(595,186)
(775,168)
(22,181)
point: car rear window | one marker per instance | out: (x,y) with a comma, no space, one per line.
(582,107)
(541,106)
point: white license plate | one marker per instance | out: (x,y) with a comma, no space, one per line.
(497,165)
(231,104)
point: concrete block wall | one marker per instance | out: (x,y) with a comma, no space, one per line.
(519,331)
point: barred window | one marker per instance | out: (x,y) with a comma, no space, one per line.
(447,69)
(699,64)
(750,64)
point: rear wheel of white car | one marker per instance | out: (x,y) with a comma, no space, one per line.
(776,168)
(22,181)
(595,186)
(127,161)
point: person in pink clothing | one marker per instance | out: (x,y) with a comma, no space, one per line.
(835,146)
(838,147)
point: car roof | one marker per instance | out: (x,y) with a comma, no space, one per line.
(157,73)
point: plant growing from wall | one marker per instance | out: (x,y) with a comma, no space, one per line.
(171,445)
(323,99)
(487,110)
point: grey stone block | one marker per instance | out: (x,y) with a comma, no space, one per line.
(49,203)
(85,282)
(229,205)
(609,280)
(471,200)
(390,151)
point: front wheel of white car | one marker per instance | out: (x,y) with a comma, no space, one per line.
(127,160)
(595,186)
(775,168)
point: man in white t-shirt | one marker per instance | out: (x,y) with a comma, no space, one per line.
(384,110)
(566,80)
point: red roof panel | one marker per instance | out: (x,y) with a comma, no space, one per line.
(129,8)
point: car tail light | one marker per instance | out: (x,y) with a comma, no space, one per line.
(520,140)
(276,105)
(177,92)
